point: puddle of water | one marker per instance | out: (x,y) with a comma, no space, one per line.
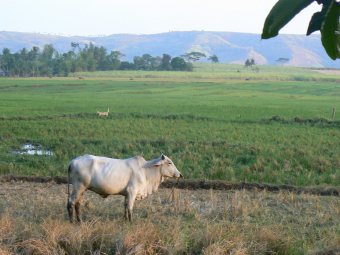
(30,149)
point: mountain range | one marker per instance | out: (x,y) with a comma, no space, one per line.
(229,47)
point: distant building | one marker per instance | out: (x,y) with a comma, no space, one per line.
(2,73)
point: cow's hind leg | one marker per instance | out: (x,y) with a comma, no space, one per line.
(77,207)
(74,201)
(70,209)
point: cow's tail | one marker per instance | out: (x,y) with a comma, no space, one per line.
(68,181)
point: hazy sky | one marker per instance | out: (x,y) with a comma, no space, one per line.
(104,17)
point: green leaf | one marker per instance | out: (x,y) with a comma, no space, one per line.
(330,31)
(318,17)
(281,13)
(315,22)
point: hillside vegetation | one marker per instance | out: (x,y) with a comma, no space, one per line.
(237,125)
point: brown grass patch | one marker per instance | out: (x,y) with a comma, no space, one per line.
(33,220)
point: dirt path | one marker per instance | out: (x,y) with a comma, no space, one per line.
(201,184)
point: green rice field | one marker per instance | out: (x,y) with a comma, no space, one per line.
(272,125)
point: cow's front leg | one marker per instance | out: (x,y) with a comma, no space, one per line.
(131,197)
(125,208)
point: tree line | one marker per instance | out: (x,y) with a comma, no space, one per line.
(49,62)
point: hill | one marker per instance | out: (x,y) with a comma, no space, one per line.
(230,47)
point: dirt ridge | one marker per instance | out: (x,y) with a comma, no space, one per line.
(194,184)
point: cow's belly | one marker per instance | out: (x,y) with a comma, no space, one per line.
(107,187)
(106,191)
(109,181)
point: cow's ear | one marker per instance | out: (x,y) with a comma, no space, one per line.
(157,163)
(162,156)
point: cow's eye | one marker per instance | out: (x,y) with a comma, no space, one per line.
(169,163)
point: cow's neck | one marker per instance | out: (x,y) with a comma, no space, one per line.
(154,177)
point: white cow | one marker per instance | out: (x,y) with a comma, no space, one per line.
(134,178)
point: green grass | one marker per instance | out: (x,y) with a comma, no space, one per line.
(213,124)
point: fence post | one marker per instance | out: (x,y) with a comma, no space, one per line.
(333,113)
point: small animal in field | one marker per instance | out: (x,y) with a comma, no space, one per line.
(104,113)
(135,178)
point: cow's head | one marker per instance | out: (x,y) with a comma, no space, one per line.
(167,167)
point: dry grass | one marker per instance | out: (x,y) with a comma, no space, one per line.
(33,220)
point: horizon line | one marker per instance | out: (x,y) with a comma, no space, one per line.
(141,34)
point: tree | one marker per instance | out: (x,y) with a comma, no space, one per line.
(282,60)
(7,62)
(125,65)
(33,58)
(155,63)
(75,46)
(23,63)
(327,21)
(165,62)
(46,59)
(146,62)
(213,59)
(88,57)
(194,56)
(249,62)
(179,64)
(138,62)
(113,61)
(100,57)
